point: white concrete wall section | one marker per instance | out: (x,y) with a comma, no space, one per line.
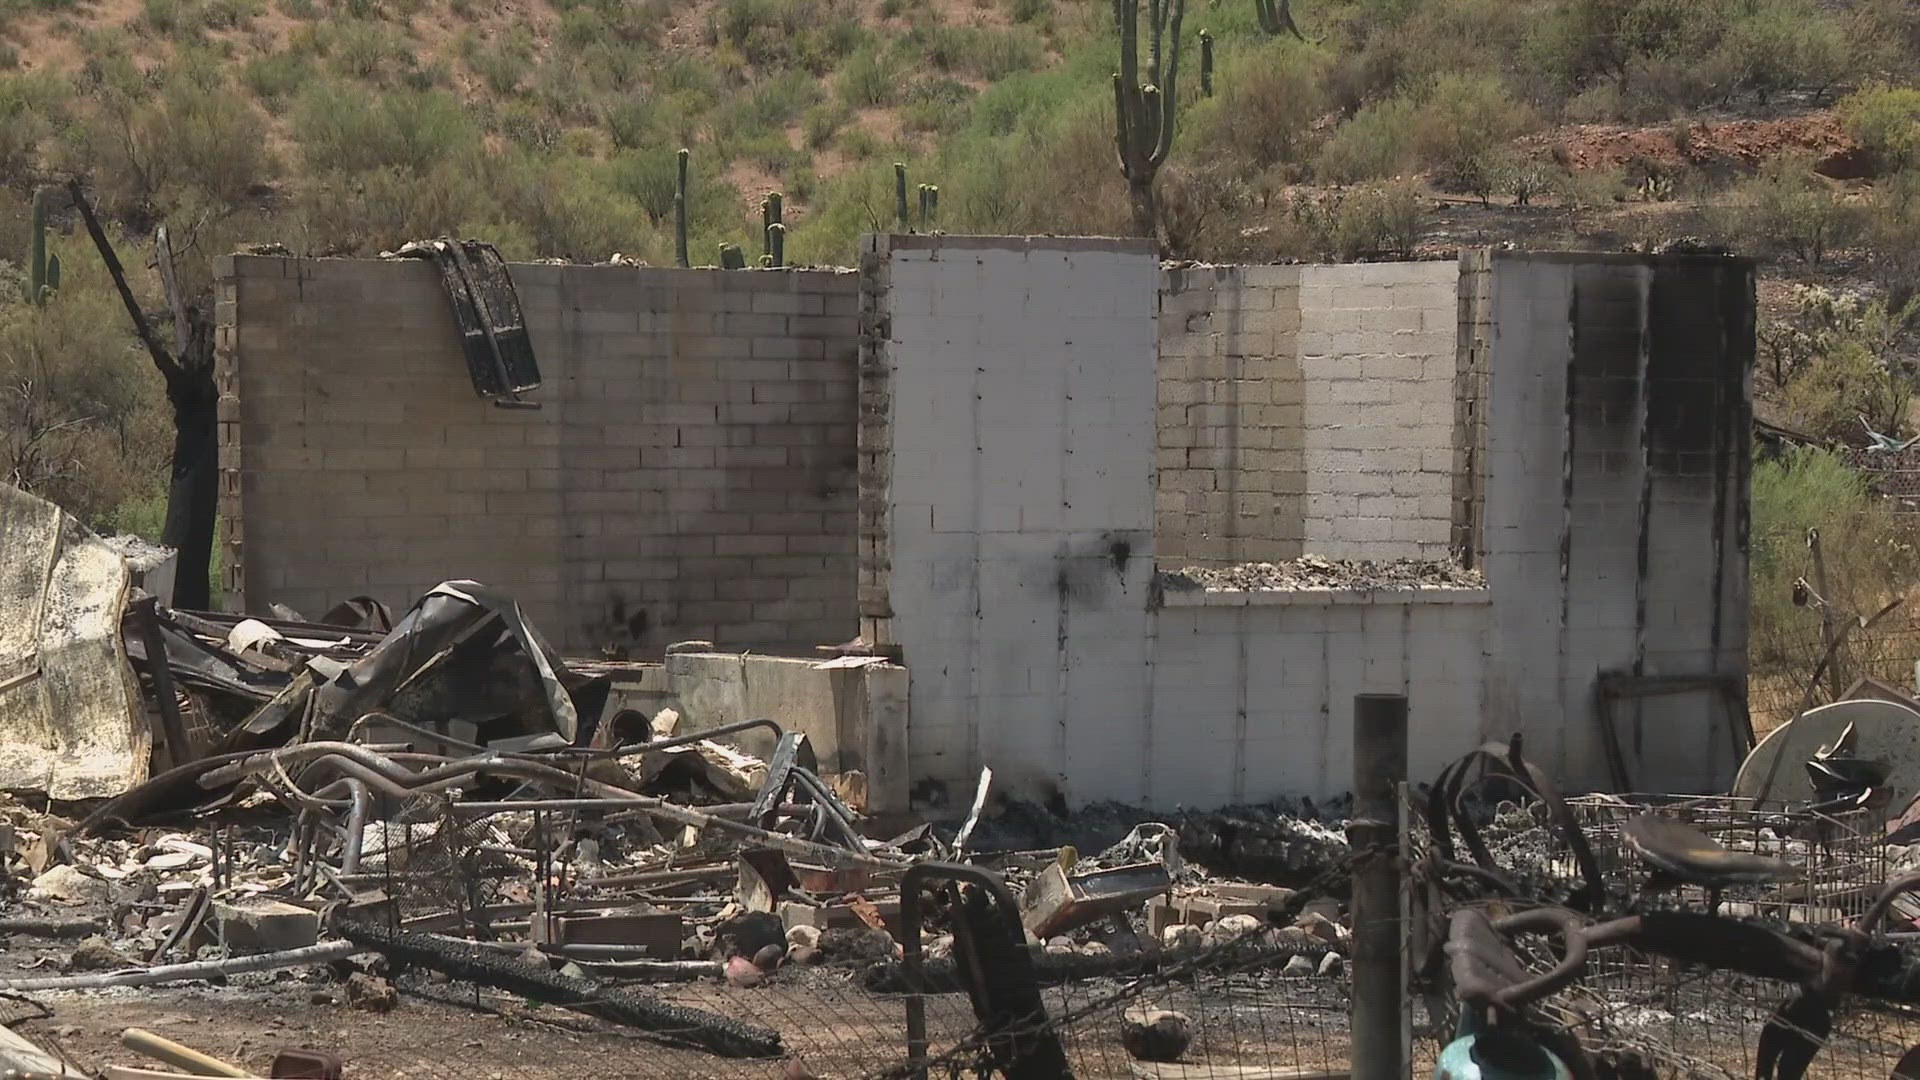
(1253,692)
(1615,540)
(1020,531)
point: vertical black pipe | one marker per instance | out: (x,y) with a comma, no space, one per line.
(1379,990)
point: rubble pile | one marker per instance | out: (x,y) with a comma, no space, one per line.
(1315,572)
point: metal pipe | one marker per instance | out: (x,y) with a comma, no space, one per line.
(384,775)
(356,825)
(312,954)
(1379,1021)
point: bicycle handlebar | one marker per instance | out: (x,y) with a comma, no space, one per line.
(1486,972)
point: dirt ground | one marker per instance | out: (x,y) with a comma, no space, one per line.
(831,1027)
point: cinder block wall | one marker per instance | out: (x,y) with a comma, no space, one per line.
(1306,410)
(1617,456)
(1008,466)
(690,474)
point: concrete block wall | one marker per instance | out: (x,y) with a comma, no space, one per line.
(1615,532)
(1253,692)
(690,474)
(1306,409)
(1013,562)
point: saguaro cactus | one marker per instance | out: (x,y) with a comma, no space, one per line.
(731,257)
(900,197)
(1144,109)
(773,232)
(1276,17)
(929,205)
(43,270)
(680,213)
(1206,64)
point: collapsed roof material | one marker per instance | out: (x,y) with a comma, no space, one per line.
(71,723)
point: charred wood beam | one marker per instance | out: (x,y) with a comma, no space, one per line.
(467,962)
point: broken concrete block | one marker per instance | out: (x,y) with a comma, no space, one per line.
(659,933)
(265,925)
(834,916)
(1057,901)
(67,885)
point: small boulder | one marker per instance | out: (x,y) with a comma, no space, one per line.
(1332,964)
(1321,927)
(1060,946)
(370,993)
(1298,967)
(939,947)
(744,973)
(770,957)
(1096,949)
(805,955)
(1155,1034)
(748,933)
(808,936)
(95,954)
(1292,937)
(1233,928)
(858,944)
(1181,937)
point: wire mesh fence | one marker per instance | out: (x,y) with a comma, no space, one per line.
(1640,1015)
(1841,855)
(1783,665)
(487,880)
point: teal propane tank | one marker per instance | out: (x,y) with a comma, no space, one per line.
(1480,1051)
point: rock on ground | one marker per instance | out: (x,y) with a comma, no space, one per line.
(1155,1034)
(370,993)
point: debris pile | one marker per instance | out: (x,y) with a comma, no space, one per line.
(1314,572)
(371,799)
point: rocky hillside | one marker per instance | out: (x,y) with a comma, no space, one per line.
(551,127)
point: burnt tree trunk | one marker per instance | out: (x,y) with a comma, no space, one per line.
(193,490)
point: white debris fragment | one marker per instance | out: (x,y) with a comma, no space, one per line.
(68,885)
(1181,937)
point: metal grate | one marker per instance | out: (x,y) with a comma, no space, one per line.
(1843,856)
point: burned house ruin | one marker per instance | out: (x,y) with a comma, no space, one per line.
(997,454)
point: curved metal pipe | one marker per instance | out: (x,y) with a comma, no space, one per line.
(382,774)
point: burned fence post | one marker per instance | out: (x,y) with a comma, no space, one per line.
(146,623)
(1379,991)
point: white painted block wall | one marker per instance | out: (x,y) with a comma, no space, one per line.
(1021,527)
(1253,692)
(1615,492)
